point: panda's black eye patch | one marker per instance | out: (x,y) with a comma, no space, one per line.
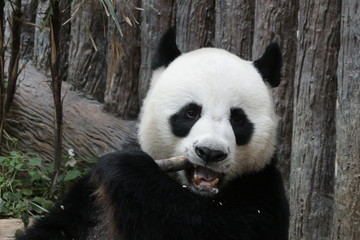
(182,121)
(242,127)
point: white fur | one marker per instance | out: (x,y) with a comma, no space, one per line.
(218,81)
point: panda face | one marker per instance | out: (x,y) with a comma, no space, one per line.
(213,108)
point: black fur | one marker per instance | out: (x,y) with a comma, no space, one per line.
(269,65)
(243,128)
(182,121)
(166,50)
(71,219)
(147,204)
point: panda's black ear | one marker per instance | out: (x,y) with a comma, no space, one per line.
(269,65)
(166,50)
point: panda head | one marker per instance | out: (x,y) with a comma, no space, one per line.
(212,107)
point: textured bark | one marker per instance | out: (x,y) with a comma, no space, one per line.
(14,55)
(124,59)
(234,26)
(7,15)
(88,129)
(8,86)
(87,50)
(313,141)
(2,59)
(157,17)
(270,17)
(41,39)
(64,38)
(195,24)
(28,29)
(346,223)
(56,81)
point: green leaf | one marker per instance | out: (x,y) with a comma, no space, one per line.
(3,160)
(26,192)
(42,204)
(19,166)
(36,162)
(70,175)
(91,160)
(3,207)
(14,153)
(34,175)
(9,196)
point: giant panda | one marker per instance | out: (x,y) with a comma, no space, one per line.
(213,108)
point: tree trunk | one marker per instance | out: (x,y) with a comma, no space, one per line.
(56,81)
(346,223)
(313,141)
(87,50)
(270,17)
(234,26)
(88,129)
(123,57)
(157,17)
(195,24)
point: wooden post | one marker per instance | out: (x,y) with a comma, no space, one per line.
(346,223)
(157,17)
(314,140)
(234,26)
(123,58)
(195,24)
(276,21)
(87,48)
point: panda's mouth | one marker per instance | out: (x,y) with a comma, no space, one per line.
(206,179)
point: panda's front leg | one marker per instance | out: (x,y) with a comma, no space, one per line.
(145,203)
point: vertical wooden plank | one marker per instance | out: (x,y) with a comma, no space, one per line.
(314,142)
(157,16)
(234,26)
(87,49)
(276,21)
(195,24)
(41,39)
(28,30)
(346,224)
(123,58)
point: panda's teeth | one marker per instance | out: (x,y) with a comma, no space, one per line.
(201,182)
(214,182)
(197,179)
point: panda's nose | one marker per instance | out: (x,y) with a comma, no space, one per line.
(210,155)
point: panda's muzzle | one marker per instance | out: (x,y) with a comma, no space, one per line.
(202,178)
(210,155)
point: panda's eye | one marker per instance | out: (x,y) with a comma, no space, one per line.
(184,119)
(239,120)
(192,111)
(238,117)
(191,114)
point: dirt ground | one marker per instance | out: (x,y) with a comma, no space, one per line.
(8,228)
